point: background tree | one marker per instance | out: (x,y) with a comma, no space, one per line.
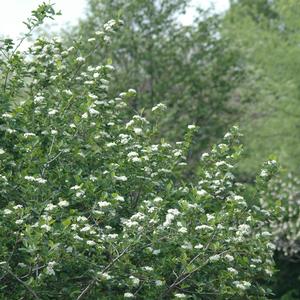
(267,34)
(191,69)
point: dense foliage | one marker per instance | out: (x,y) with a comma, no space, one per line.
(94,205)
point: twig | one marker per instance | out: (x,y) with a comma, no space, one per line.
(23,283)
(92,282)
(185,275)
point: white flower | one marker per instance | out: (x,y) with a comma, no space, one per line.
(49,269)
(271,246)
(54,132)
(138,216)
(40,180)
(92,95)
(28,134)
(99,33)
(229,257)
(63,203)
(119,198)
(157,199)
(7,211)
(269,272)
(75,187)
(199,246)
(78,238)
(204,227)
(110,67)
(93,111)
(215,258)
(227,135)
(38,99)
(19,206)
(81,219)
(7,115)
(68,92)
(103,203)
(180,296)
(52,112)
(156,252)
(46,218)
(86,228)
(159,106)
(158,283)
(105,275)
(243,229)
(128,295)
(136,159)
(22,265)
(170,217)
(50,207)
(1,151)
(46,227)
(80,59)
(266,233)
(31,178)
(201,193)
(130,123)
(221,163)
(210,217)
(9,130)
(187,245)
(93,178)
(132,154)
(138,131)
(112,236)
(91,243)
(91,40)
(20,221)
(243,285)
(232,270)
(111,144)
(121,178)
(264,173)
(84,116)
(69,249)
(134,280)
(183,230)
(177,153)
(74,226)
(191,126)
(204,155)
(132,91)
(96,75)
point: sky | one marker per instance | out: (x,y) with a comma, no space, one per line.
(14,12)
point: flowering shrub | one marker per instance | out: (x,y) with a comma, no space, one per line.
(91,208)
(286,228)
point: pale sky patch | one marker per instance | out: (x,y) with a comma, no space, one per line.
(14,12)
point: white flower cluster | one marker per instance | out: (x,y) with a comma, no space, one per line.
(285,229)
(36,179)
